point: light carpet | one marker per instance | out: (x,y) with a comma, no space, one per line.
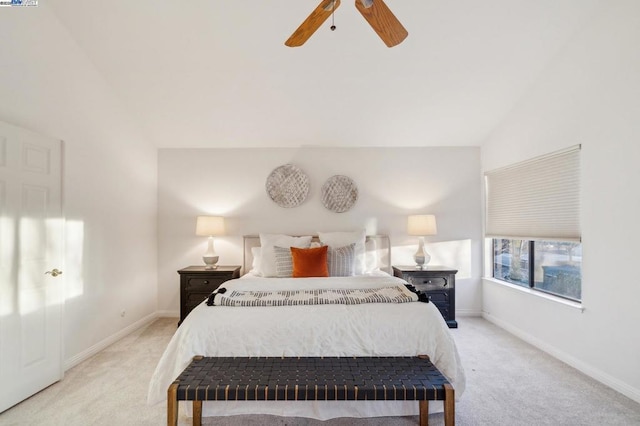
(509,382)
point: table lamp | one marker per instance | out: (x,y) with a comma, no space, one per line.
(421,225)
(210,226)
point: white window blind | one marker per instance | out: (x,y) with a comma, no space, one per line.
(537,199)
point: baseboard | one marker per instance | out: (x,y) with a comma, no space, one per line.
(468,313)
(88,353)
(168,314)
(583,367)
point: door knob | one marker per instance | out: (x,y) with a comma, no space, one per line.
(53,272)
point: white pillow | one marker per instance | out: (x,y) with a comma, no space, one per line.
(256,253)
(268,257)
(341,239)
(371,256)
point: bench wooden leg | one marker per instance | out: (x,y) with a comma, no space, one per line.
(449,406)
(424,413)
(172,405)
(197,413)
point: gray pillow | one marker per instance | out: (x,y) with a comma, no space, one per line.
(342,261)
(284,262)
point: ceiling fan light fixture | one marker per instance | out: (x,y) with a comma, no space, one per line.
(331,6)
(375,12)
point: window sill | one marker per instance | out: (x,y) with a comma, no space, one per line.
(575,305)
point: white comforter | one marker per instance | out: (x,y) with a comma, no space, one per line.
(371,329)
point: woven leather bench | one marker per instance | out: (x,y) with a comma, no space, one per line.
(310,379)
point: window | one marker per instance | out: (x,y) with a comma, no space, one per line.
(533,217)
(550,266)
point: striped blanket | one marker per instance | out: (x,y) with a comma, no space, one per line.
(392,294)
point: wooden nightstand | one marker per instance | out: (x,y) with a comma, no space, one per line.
(197,283)
(438,282)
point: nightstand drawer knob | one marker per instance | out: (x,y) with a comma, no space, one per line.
(206,281)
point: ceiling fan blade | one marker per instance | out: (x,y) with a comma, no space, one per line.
(383,21)
(312,23)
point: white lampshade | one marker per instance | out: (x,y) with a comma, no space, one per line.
(207,226)
(421,225)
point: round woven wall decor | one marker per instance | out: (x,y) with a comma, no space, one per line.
(339,193)
(287,186)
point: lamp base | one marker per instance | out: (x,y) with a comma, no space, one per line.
(210,257)
(421,257)
(421,262)
(211,262)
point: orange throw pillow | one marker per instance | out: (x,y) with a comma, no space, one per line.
(311,262)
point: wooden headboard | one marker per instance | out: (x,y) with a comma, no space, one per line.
(382,251)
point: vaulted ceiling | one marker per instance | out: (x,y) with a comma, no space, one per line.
(211,73)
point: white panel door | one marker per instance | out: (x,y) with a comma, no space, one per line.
(31,243)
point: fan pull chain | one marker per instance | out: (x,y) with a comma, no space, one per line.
(333,13)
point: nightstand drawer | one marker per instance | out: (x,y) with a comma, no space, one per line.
(191,305)
(427,283)
(439,297)
(195,298)
(195,284)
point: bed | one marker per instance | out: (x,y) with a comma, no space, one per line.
(359,329)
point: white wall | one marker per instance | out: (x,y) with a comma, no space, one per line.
(590,95)
(392,183)
(47,85)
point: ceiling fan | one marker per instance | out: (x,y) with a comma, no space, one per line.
(376,12)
